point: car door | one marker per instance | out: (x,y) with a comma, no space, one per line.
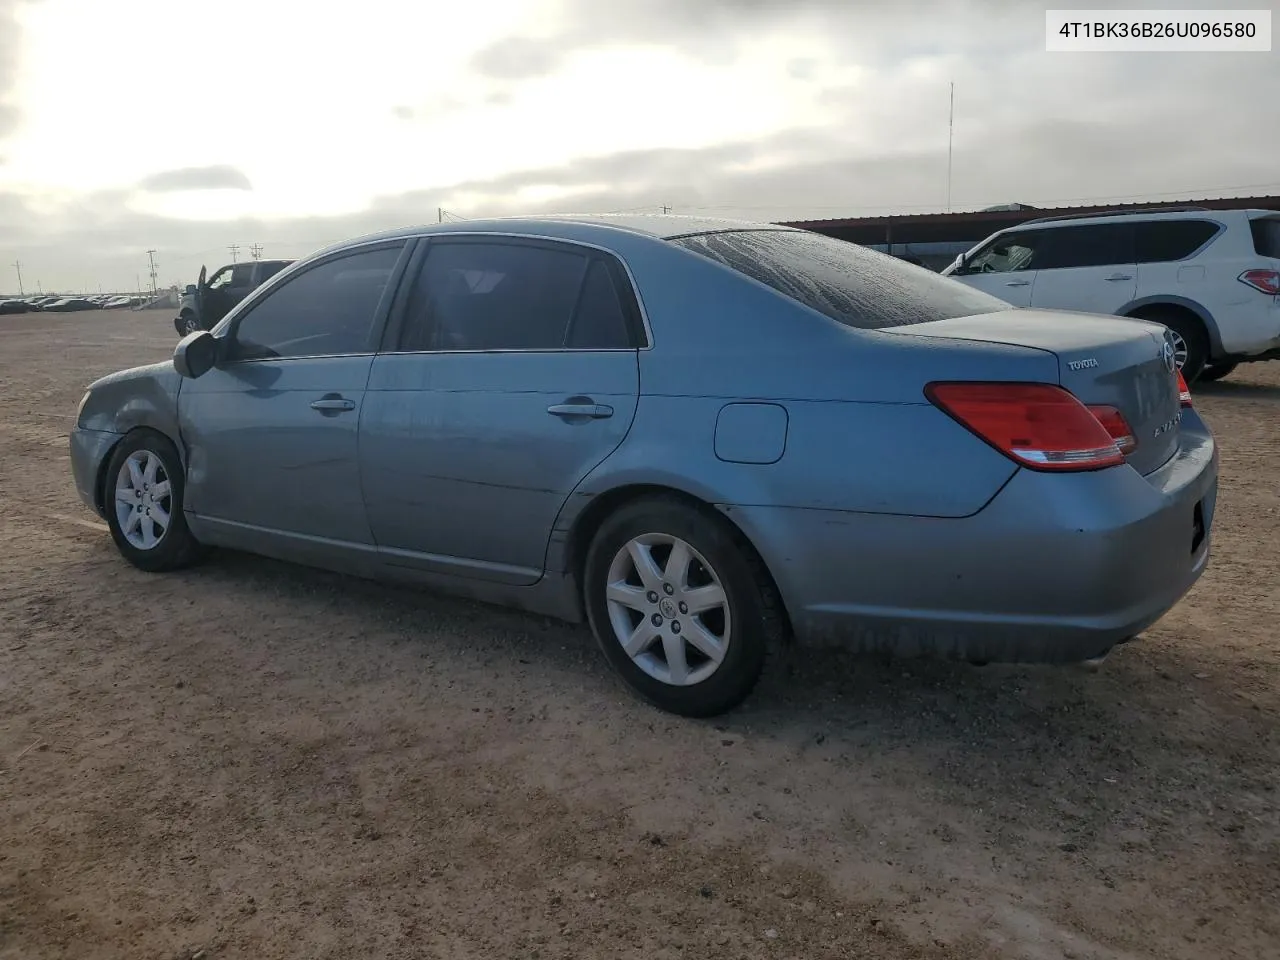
(511,372)
(1003,267)
(1089,268)
(271,431)
(241,283)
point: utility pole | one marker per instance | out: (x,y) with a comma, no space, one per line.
(439,214)
(665,208)
(234,248)
(17,265)
(256,251)
(951,127)
(151,257)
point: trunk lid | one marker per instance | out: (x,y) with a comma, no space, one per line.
(1105,361)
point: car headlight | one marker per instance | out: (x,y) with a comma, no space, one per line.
(80,409)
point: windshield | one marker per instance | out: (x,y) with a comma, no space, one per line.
(846,282)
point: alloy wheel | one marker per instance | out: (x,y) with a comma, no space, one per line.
(668,609)
(143,500)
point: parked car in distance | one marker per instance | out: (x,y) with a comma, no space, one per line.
(14,306)
(1211,276)
(70,305)
(703,437)
(207,301)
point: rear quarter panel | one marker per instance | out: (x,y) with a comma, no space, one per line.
(860,436)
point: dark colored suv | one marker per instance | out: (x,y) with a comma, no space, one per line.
(207,301)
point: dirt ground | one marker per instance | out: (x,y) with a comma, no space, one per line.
(260,761)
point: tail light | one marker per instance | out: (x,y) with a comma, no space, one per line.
(1038,425)
(1264,281)
(1117,427)
(1184,392)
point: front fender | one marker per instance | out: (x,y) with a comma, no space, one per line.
(140,397)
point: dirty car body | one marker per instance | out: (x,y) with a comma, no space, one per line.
(849,448)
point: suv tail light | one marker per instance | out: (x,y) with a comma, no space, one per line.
(1184,392)
(1264,281)
(1117,427)
(1038,425)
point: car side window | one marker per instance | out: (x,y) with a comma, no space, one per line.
(242,275)
(268,271)
(326,310)
(496,296)
(1161,241)
(220,279)
(1094,245)
(600,320)
(1006,254)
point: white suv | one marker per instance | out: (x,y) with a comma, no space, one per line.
(1211,276)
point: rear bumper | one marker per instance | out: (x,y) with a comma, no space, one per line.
(1250,329)
(89,450)
(1057,568)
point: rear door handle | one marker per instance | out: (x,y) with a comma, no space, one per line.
(332,404)
(569,411)
(1121,276)
(1017,283)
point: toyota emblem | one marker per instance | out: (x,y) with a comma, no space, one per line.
(1168,355)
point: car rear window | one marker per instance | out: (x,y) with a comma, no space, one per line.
(1163,241)
(848,283)
(1266,236)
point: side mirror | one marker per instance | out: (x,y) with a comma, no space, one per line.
(190,290)
(196,354)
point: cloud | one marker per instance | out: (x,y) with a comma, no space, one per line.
(1030,126)
(517,58)
(217,177)
(10,52)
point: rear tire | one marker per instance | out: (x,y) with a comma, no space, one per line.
(1216,371)
(1189,338)
(682,609)
(143,490)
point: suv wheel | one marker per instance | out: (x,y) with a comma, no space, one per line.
(188,323)
(1190,343)
(1216,371)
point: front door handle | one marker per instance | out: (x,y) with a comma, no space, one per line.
(333,404)
(574,411)
(1121,276)
(1017,283)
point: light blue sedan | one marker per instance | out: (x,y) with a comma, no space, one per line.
(703,437)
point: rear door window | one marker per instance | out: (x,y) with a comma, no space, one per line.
(509,295)
(846,282)
(1161,241)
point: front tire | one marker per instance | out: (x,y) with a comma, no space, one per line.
(682,609)
(143,497)
(1216,371)
(187,323)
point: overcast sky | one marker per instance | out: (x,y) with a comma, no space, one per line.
(186,127)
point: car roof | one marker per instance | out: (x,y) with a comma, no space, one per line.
(661,226)
(1054,223)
